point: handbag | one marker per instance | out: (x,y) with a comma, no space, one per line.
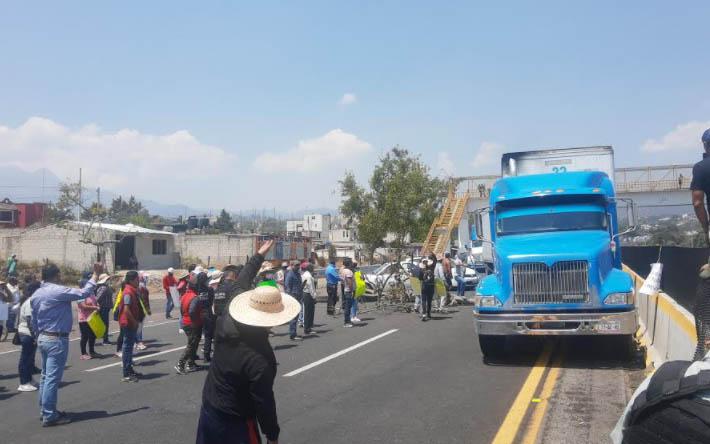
(16,339)
(96,324)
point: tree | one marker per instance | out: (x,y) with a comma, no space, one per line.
(403,200)
(128,211)
(95,211)
(68,200)
(354,204)
(224,222)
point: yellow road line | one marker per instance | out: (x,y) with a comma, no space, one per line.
(509,429)
(538,414)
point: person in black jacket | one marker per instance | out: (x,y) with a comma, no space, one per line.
(238,398)
(428,286)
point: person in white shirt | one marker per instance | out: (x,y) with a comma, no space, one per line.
(309,297)
(440,275)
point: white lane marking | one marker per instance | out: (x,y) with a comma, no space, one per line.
(139,358)
(111,333)
(340,353)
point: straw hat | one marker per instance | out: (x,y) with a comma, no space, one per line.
(103,278)
(264,306)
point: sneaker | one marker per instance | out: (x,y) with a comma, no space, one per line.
(60,420)
(348,325)
(26,388)
(296,338)
(181,331)
(355,319)
(424,318)
(85,357)
(141,346)
(95,355)
(106,343)
(118,354)
(180,370)
(130,378)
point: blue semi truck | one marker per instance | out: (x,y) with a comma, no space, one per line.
(552,231)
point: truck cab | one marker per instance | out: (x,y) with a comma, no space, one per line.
(557,260)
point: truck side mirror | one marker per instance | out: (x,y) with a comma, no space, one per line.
(478,221)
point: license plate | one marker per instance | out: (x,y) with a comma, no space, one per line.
(608,326)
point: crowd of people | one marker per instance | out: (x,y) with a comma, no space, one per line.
(228,310)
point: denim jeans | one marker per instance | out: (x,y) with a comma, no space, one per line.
(460,286)
(347,305)
(129,340)
(54,351)
(27,359)
(293,325)
(353,309)
(169,305)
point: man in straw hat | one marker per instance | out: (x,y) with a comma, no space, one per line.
(238,397)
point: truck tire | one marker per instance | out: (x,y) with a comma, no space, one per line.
(492,345)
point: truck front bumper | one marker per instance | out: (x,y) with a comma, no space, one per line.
(604,323)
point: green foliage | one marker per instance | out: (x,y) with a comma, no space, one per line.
(354,203)
(224,222)
(403,200)
(68,200)
(128,211)
(94,212)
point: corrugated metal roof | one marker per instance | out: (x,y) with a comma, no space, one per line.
(127,228)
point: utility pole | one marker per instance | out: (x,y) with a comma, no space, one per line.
(98,200)
(78,207)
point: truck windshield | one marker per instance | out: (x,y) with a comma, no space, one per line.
(541,223)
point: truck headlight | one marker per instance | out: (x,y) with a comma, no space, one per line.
(488,301)
(620,298)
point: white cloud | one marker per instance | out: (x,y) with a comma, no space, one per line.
(314,154)
(684,137)
(444,164)
(125,161)
(348,99)
(488,154)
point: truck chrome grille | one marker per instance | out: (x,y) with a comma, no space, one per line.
(564,282)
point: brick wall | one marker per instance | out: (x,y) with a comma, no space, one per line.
(59,245)
(217,250)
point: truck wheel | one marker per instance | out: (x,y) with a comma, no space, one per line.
(491,345)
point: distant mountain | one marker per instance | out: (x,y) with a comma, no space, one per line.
(43,186)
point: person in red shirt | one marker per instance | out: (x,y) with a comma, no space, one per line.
(192,316)
(128,319)
(169,281)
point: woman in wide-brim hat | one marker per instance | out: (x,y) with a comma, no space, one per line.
(265,306)
(238,397)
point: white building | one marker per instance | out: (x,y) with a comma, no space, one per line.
(314,226)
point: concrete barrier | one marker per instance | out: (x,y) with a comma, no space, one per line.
(665,327)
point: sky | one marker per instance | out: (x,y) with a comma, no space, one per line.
(266,104)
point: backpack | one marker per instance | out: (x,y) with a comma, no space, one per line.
(428,277)
(667,408)
(116,310)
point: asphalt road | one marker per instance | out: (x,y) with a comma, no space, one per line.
(417,382)
(424,382)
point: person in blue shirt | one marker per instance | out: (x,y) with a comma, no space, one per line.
(294,287)
(332,278)
(52,322)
